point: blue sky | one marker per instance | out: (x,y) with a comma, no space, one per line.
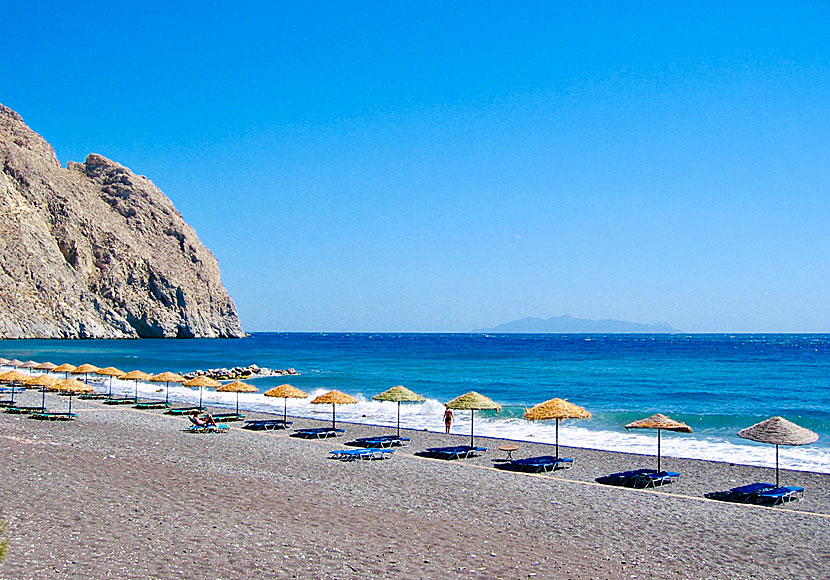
(441,166)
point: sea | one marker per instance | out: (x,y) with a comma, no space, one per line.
(716,383)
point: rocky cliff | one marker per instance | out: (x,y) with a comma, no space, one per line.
(96,251)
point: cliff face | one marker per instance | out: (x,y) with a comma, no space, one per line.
(95,251)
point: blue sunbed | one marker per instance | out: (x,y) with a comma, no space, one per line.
(228,416)
(624,477)
(541,464)
(54,416)
(655,479)
(455,452)
(319,433)
(367,454)
(20,409)
(152,405)
(383,441)
(267,424)
(181,410)
(119,401)
(746,493)
(218,428)
(779,495)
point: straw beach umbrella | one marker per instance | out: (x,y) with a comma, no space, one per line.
(29,364)
(334,398)
(44,382)
(110,372)
(84,369)
(286,392)
(46,366)
(399,394)
(781,432)
(71,386)
(557,409)
(14,378)
(4,361)
(167,378)
(65,368)
(15,363)
(474,402)
(660,422)
(237,387)
(137,376)
(202,382)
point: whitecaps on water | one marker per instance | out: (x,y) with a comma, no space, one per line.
(429,415)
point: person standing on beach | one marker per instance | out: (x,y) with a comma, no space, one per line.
(448,419)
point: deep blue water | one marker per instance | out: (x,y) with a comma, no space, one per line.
(716,383)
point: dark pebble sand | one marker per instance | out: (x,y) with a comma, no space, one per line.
(122,493)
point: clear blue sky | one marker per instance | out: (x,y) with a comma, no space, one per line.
(443,166)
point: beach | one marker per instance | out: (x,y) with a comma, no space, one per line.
(126,493)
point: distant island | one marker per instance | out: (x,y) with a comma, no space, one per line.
(569,324)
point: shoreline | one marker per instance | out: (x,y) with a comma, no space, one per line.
(122,491)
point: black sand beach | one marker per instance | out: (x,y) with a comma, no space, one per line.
(125,493)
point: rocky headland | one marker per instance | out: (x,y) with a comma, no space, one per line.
(95,251)
(239,373)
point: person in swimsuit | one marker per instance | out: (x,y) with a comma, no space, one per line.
(203,420)
(448,419)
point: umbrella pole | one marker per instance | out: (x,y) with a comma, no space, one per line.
(557,437)
(332,416)
(284,409)
(658,450)
(776,465)
(43,401)
(70,401)
(472,426)
(200,398)
(110,393)
(166,393)
(136,390)
(399,418)
(237,402)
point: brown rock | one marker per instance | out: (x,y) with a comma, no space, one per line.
(96,251)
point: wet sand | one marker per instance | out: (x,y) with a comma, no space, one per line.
(122,493)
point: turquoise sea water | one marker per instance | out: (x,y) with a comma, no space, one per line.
(718,384)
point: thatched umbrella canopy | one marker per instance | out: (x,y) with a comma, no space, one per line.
(29,364)
(65,368)
(237,387)
(46,366)
(137,376)
(660,422)
(84,369)
(286,392)
(779,431)
(202,382)
(15,362)
(399,394)
(110,372)
(44,382)
(167,378)
(334,398)
(474,402)
(73,387)
(557,409)
(13,377)
(4,361)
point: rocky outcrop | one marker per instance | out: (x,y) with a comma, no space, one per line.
(96,251)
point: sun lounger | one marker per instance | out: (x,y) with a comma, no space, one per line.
(383,441)
(228,417)
(778,495)
(181,410)
(152,405)
(267,424)
(368,454)
(19,409)
(542,464)
(624,477)
(656,479)
(56,416)
(219,428)
(319,433)
(455,452)
(119,401)
(92,396)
